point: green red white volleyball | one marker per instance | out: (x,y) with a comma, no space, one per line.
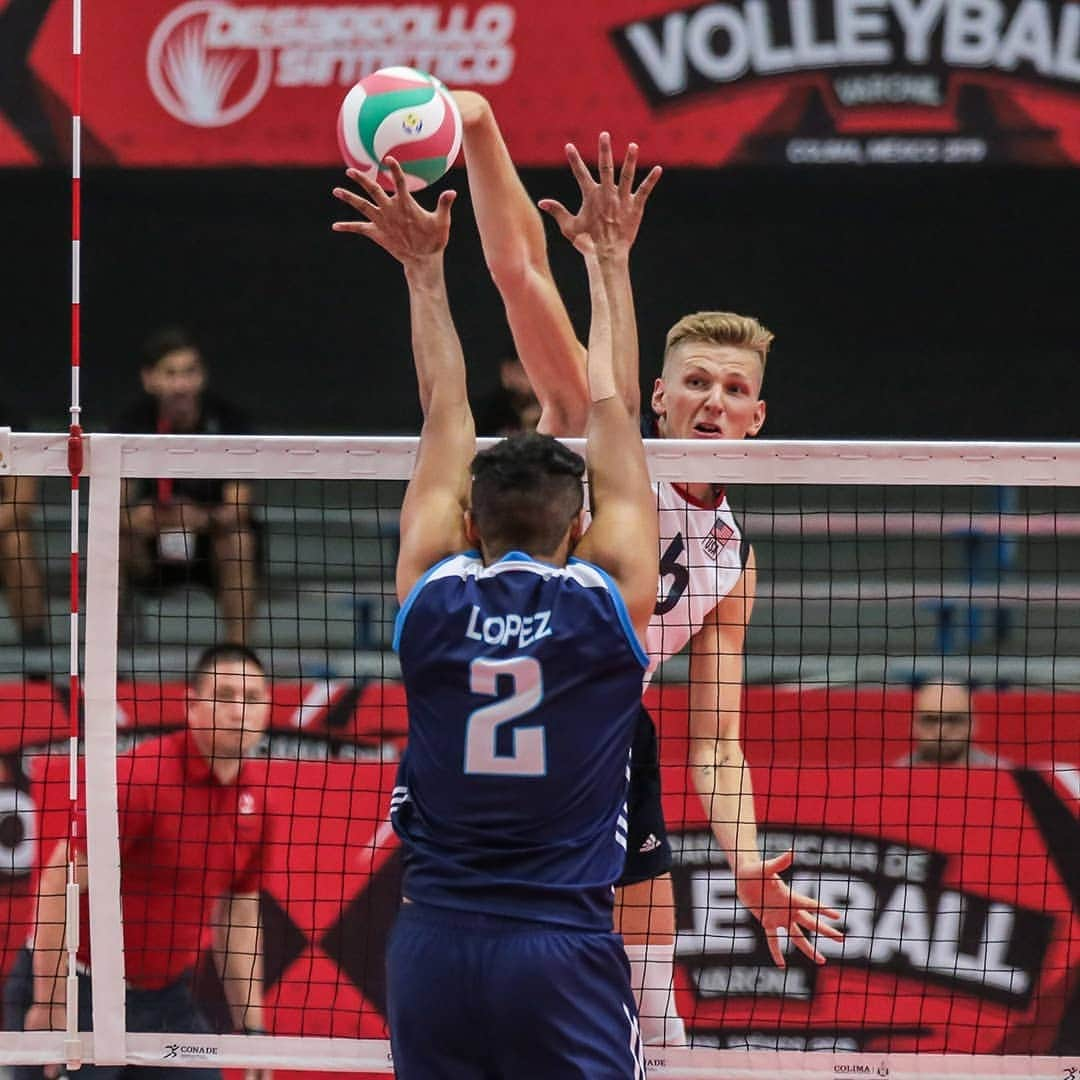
(401,113)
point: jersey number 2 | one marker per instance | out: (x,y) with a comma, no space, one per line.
(529,754)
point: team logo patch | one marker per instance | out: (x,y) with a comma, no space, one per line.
(649,844)
(246,803)
(717,539)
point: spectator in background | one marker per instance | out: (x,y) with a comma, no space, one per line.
(21,573)
(512,408)
(175,531)
(193,842)
(942,726)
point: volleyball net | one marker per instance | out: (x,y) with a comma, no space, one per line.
(950,842)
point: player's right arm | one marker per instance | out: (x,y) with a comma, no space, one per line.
(433,513)
(515,249)
(623,536)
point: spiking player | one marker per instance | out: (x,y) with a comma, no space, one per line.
(523,668)
(709,388)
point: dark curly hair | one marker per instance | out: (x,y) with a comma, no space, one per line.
(526,492)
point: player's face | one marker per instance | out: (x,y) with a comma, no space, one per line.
(229,709)
(709,391)
(176,380)
(942,725)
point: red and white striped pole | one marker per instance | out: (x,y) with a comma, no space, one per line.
(72,1045)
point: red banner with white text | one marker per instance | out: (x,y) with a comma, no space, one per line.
(807,83)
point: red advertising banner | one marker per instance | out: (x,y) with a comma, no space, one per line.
(764,82)
(960,888)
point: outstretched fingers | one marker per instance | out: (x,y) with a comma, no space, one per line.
(374,191)
(563,217)
(579,168)
(605,159)
(804,944)
(360,228)
(799,900)
(397,173)
(442,207)
(778,863)
(357,202)
(816,924)
(772,938)
(645,189)
(626,173)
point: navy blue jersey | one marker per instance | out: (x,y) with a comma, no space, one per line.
(524,684)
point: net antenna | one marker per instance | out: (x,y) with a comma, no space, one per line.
(72,1044)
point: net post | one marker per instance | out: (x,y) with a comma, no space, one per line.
(102,816)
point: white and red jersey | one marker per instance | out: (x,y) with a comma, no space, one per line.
(701,558)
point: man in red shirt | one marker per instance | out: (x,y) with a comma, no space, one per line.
(193,834)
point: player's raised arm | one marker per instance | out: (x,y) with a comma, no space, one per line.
(432,516)
(608,224)
(623,535)
(515,249)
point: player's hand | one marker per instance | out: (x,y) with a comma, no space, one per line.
(258,1074)
(610,213)
(397,222)
(46,1017)
(762,891)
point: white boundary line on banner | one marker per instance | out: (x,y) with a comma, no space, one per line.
(103,828)
(741,461)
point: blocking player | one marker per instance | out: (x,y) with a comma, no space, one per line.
(709,388)
(523,667)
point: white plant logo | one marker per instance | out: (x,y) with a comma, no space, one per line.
(192,79)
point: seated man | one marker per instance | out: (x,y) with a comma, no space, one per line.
(193,841)
(942,726)
(21,575)
(176,531)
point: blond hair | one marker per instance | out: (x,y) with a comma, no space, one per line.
(721,328)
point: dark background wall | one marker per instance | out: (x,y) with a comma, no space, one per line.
(905,303)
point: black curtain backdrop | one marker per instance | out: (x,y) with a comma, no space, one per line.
(906,304)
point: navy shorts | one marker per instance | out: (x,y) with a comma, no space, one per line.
(480,997)
(648,850)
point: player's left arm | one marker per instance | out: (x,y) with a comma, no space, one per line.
(432,523)
(722,777)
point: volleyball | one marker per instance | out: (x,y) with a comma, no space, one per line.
(406,114)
